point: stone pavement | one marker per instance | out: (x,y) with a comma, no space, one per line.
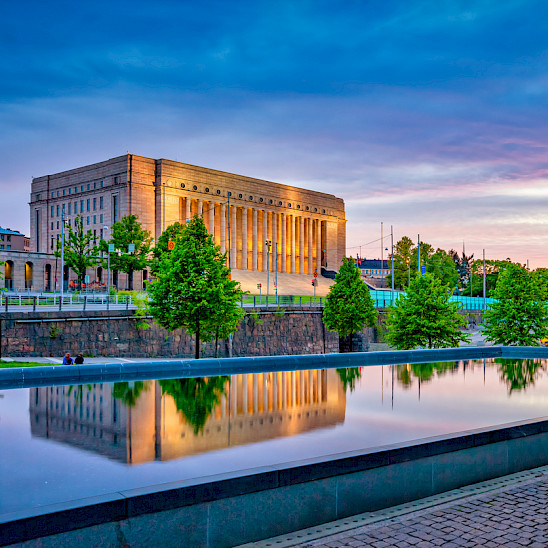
(513,515)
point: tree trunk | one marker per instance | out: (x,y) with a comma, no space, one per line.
(216,341)
(130,280)
(197,354)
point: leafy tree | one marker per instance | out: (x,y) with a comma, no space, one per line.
(463,264)
(423,371)
(171,233)
(79,254)
(128,392)
(442,265)
(195,398)
(519,315)
(403,253)
(125,232)
(424,317)
(193,288)
(348,305)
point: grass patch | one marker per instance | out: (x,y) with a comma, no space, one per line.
(10,365)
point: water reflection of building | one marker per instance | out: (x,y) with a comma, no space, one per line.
(253,407)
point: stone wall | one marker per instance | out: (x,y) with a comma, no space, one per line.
(100,333)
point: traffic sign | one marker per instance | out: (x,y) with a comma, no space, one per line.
(170,245)
(259,286)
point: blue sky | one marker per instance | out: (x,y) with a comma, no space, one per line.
(429,116)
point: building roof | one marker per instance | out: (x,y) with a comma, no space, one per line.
(10,231)
(373,263)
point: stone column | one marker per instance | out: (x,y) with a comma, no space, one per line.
(244,239)
(212,218)
(292,242)
(274,241)
(200,207)
(233,228)
(310,265)
(301,245)
(223,228)
(284,242)
(254,266)
(187,208)
(319,246)
(265,236)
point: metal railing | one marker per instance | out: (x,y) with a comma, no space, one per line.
(47,303)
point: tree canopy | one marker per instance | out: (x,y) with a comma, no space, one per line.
(348,305)
(128,231)
(170,234)
(193,288)
(519,314)
(79,253)
(424,317)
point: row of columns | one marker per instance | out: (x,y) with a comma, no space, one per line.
(296,240)
(261,392)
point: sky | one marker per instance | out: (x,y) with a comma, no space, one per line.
(428,116)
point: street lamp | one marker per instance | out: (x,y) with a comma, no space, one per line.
(408,261)
(268,244)
(62,252)
(105,229)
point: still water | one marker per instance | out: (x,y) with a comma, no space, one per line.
(70,442)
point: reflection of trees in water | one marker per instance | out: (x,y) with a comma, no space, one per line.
(128,392)
(349,376)
(405,373)
(196,397)
(79,391)
(518,374)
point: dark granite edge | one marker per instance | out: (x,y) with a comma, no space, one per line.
(55,375)
(75,514)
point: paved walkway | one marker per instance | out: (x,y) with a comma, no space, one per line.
(508,512)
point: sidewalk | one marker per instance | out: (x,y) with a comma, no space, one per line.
(510,512)
(59,360)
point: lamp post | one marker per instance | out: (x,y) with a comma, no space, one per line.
(408,261)
(392,253)
(62,252)
(105,229)
(268,243)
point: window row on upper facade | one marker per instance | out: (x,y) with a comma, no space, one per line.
(83,188)
(67,209)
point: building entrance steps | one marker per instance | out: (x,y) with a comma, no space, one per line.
(507,511)
(288,284)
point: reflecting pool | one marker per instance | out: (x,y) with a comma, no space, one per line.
(61,443)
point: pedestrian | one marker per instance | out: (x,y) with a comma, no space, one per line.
(79,360)
(67,360)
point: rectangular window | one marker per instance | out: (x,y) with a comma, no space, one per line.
(101,234)
(95,219)
(87,204)
(51,225)
(69,208)
(75,207)
(38,196)
(94,233)
(75,189)
(82,188)
(88,186)
(116,180)
(52,194)
(51,247)
(94,204)
(115,209)
(81,206)
(101,219)
(58,194)
(52,211)
(2,246)
(70,190)
(57,225)
(9,238)
(101,202)
(94,186)
(63,192)
(88,220)
(57,210)
(101,184)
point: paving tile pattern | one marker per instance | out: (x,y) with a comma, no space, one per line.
(514,516)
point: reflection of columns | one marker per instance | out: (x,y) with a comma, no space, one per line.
(293,390)
(212,217)
(309,223)
(244,394)
(284,242)
(187,208)
(200,207)
(265,236)
(233,250)
(265,392)
(311,386)
(301,245)
(292,241)
(301,375)
(275,405)
(244,239)
(274,241)
(255,394)
(254,243)
(319,246)
(284,389)
(223,228)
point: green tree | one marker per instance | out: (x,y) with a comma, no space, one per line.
(196,398)
(349,376)
(128,392)
(171,233)
(442,265)
(193,288)
(519,315)
(128,231)
(425,317)
(79,254)
(348,305)
(519,374)
(403,253)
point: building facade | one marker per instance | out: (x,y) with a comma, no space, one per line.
(306,230)
(11,240)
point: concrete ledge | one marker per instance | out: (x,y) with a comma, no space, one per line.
(39,376)
(246,506)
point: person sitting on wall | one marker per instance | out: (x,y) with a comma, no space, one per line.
(67,360)
(79,360)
